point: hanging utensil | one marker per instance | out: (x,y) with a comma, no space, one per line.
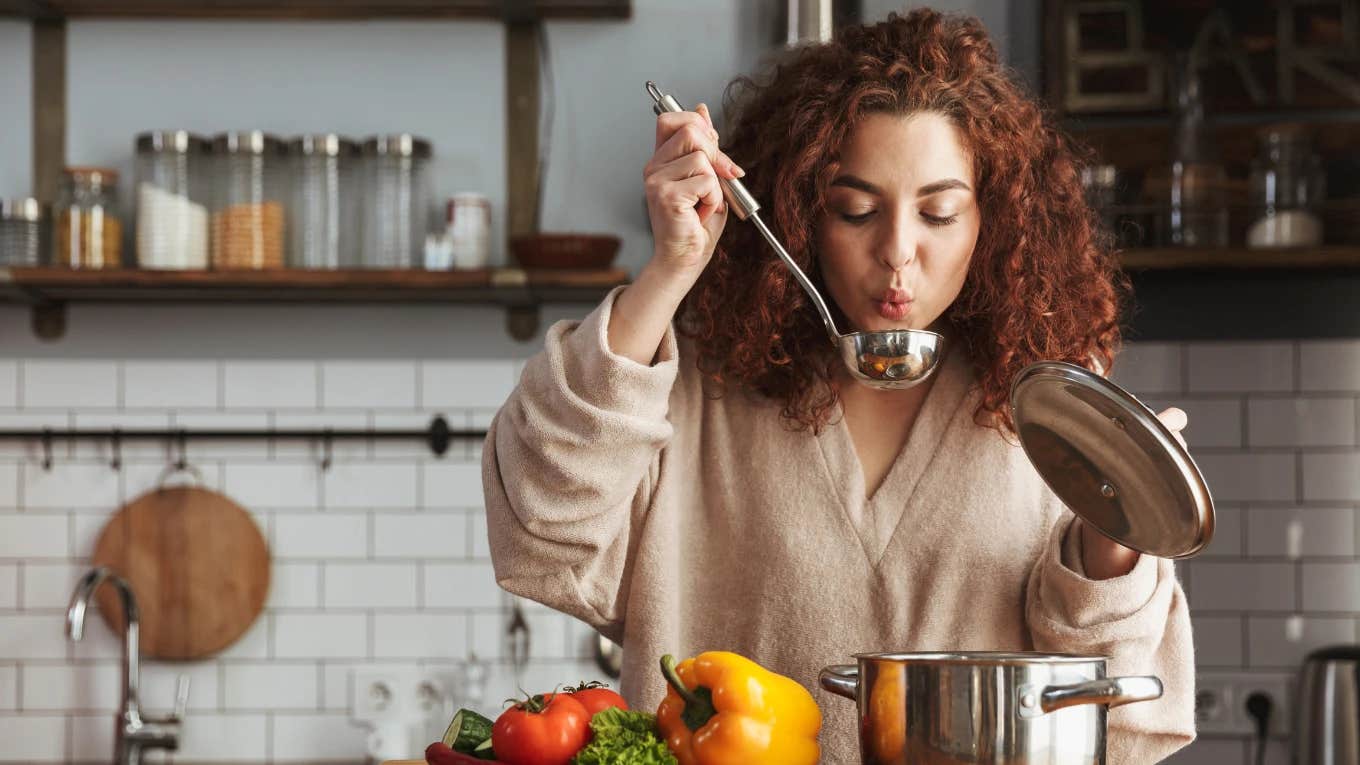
(608,656)
(517,641)
(885,359)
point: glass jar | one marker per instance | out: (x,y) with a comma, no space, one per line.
(1286,190)
(172,204)
(397,200)
(250,191)
(23,232)
(324,230)
(87,227)
(469,228)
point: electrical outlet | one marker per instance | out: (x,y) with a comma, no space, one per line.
(1279,688)
(1215,704)
(378,694)
(1221,702)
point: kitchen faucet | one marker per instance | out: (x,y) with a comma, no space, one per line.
(133,734)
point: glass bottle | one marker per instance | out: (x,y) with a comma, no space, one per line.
(1286,188)
(87,225)
(1197,213)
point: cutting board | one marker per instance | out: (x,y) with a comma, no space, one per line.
(197,563)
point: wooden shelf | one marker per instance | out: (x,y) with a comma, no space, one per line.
(1166,258)
(520,292)
(518,10)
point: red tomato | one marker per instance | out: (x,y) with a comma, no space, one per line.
(596,697)
(545,730)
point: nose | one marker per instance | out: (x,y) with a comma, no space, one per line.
(898,247)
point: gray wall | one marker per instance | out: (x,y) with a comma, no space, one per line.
(16,109)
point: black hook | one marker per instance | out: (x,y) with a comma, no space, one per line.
(182,446)
(116,439)
(327,451)
(47,449)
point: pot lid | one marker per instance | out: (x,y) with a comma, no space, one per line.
(1111,461)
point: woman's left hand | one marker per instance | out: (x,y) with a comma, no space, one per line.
(1104,558)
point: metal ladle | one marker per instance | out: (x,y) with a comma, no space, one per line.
(887,359)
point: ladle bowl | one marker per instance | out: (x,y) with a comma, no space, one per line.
(891,359)
(885,359)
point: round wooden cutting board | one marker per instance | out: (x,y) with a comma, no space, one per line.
(197,563)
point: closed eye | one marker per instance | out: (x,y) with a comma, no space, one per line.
(938,220)
(848,218)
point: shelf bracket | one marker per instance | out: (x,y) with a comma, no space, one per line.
(49,320)
(521,321)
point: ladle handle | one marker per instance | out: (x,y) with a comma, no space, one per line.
(745,206)
(740,200)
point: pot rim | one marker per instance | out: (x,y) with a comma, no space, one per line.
(992,658)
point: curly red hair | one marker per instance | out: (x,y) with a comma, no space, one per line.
(1043,283)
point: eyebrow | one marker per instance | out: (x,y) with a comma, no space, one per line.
(855,182)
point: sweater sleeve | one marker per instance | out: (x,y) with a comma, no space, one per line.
(1140,621)
(568,467)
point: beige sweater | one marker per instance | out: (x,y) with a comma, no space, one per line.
(678,523)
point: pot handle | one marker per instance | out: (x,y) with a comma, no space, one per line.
(1110,691)
(841,679)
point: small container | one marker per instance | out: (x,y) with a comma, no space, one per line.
(1286,190)
(172,200)
(468,222)
(87,224)
(23,232)
(396,202)
(250,192)
(324,212)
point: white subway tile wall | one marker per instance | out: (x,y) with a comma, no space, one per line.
(379,561)
(1282,456)
(382,561)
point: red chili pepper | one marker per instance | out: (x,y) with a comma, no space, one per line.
(439,753)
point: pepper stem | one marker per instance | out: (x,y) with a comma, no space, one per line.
(699,707)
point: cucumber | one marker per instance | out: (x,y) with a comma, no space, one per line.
(484,751)
(467,731)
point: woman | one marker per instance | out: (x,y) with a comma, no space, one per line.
(691,468)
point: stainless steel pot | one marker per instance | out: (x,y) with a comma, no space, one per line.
(983,707)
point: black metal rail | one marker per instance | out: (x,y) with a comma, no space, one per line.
(437,436)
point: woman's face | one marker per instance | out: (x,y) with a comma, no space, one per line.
(901,222)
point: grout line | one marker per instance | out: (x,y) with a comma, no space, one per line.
(269,736)
(1246,421)
(320,685)
(19,384)
(1298,476)
(1245,625)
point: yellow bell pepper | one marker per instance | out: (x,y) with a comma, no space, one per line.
(724,709)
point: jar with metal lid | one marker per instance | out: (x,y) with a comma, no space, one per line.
(324,221)
(250,193)
(87,223)
(1286,188)
(397,200)
(172,200)
(23,232)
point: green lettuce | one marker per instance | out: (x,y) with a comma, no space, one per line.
(624,738)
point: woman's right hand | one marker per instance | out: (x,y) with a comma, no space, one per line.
(684,198)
